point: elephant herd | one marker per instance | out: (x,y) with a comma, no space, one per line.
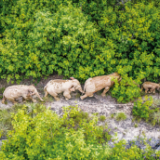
(54,87)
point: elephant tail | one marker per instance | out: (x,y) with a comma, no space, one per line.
(142,88)
(45,88)
(89,86)
(4,99)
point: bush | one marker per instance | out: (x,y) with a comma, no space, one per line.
(81,39)
(145,109)
(40,134)
(156,117)
(46,135)
(102,118)
(121,116)
(126,90)
(56,41)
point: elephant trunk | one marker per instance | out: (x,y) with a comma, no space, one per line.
(37,94)
(80,89)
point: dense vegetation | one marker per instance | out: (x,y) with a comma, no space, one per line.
(81,39)
(38,133)
(147,109)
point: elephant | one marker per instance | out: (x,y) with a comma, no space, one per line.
(16,91)
(150,85)
(53,87)
(97,83)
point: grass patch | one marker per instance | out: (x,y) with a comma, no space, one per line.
(147,109)
(74,134)
(102,118)
(2,90)
(121,116)
(135,125)
(112,115)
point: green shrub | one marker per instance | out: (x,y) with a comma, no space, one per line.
(112,115)
(121,116)
(56,41)
(141,108)
(146,110)
(45,135)
(156,118)
(102,118)
(125,93)
(38,133)
(135,125)
(81,39)
(2,90)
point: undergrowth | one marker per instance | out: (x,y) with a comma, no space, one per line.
(38,133)
(147,109)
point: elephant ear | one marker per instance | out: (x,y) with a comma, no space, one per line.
(72,88)
(30,92)
(72,78)
(32,85)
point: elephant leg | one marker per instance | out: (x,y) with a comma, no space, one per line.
(146,90)
(90,94)
(28,97)
(84,96)
(23,99)
(46,94)
(3,100)
(141,88)
(153,90)
(54,95)
(105,91)
(33,100)
(67,95)
(12,100)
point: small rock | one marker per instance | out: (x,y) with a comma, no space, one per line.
(119,106)
(140,144)
(111,144)
(119,136)
(105,106)
(111,106)
(158,149)
(154,143)
(0,144)
(126,124)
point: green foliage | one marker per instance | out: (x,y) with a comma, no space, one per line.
(38,133)
(146,110)
(112,115)
(121,116)
(81,39)
(119,152)
(156,118)
(141,108)
(126,90)
(135,125)
(57,41)
(44,135)
(102,118)
(7,114)
(2,90)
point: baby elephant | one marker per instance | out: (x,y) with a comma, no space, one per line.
(97,83)
(16,91)
(56,86)
(150,85)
